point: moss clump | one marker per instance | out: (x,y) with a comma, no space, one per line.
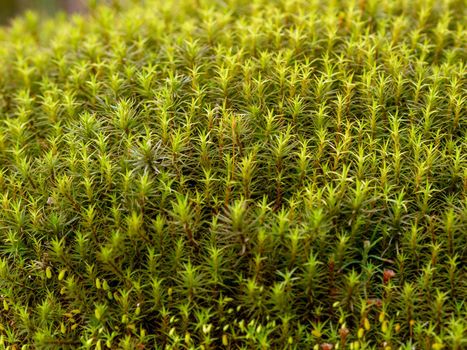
(240,174)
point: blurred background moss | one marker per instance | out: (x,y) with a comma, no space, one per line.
(11,8)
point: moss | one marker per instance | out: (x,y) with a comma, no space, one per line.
(237,174)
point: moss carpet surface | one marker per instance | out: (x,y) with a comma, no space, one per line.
(235,175)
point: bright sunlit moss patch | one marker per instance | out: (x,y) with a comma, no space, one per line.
(235,175)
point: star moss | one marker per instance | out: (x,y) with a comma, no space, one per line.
(284,174)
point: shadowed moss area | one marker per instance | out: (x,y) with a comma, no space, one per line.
(282,174)
(10,9)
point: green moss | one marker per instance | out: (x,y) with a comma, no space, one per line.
(240,174)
